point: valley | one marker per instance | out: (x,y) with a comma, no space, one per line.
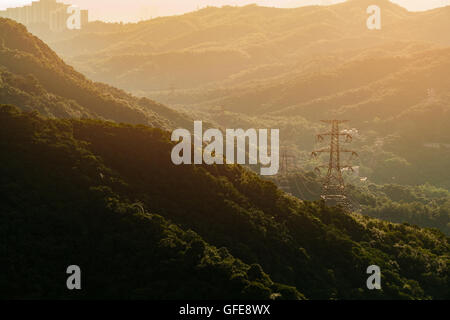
(119,153)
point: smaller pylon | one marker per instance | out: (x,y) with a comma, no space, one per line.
(284,162)
(285,165)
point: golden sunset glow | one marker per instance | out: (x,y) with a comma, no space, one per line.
(226,151)
(135,10)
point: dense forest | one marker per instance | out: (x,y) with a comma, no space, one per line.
(87,176)
(423,205)
(60,205)
(68,189)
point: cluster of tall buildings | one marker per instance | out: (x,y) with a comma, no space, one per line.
(44,14)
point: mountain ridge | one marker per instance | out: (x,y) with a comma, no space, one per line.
(28,62)
(98,166)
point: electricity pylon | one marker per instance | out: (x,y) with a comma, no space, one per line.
(283,179)
(284,163)
(333,188)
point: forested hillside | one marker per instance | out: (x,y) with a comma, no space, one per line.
(67,190)
(289,68)
(61,205)
(423,205)
(87,176)
(33,77)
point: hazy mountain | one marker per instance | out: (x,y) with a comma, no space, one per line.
(288,68)
(221,46)
(33,77)
(375,84)
(106,195)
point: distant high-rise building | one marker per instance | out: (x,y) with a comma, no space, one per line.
(44,13)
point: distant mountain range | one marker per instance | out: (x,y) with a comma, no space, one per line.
(104,194)
(311,62)
(217,47)
(33,77)
(265,67)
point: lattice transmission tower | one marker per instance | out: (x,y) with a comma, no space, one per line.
(333,188)
(287,162)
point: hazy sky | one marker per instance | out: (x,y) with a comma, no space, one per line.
(134,10)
